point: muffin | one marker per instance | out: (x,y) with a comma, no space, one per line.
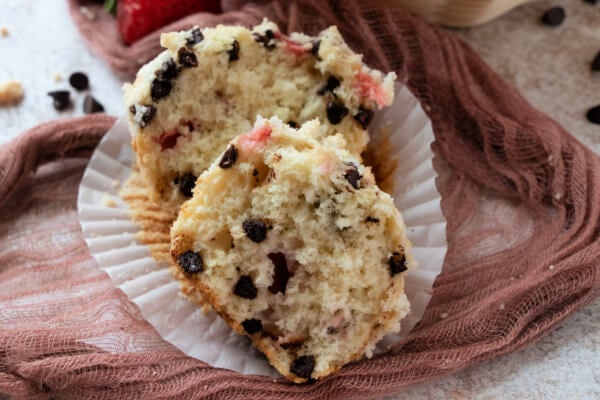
(209,85)
(290,240)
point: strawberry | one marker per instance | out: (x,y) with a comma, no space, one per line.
(136,18)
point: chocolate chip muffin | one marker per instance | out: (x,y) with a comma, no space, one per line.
(209,85)
(293,244)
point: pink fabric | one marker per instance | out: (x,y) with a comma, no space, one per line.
(519,193)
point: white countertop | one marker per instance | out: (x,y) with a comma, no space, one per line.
(563,365)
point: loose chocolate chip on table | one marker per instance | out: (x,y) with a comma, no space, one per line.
(397,263)
(596,62)
(255,229)
(554,16)
(353,177)
(160,88)
(186,184)
(593,114)
(187,57)
(281,273)
(336,112)
(229,157)
(303,366)
(332,83)
(91,105)
(195,36)
(245,288)
(167,71)
(364,116)
(234,52)
(267,39)
(61,99)
(191,262)
(252,325)
(79,81)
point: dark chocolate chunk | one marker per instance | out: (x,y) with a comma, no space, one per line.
(314,50)
(195,36)
(364,116)
(79,81)
(149,112)
(332,330)
(191,262)
(234,52)
(252,326)
(186,184)
(91,105)
(245,288)
(596,62)
(167,71)
(255,172)
(187,57)
(229,157)
(293,124)
(593,114)
(303,366)
(132,109)
(267,39)
(336,112)
(61,99)
(281,273)
(255,229)
(372,220)
(353,177)
(160,88)
(332,83)
(397,263)
(554,16)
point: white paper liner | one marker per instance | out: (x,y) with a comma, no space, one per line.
(111,237)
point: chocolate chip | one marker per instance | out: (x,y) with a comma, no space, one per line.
(252,326)
(148,112)
(234,52)
(372,220)
(91,105)
(596,62)
(267,39)
(79,81)
(303,366)
(314,50)
(167,71)
(191,262)
(293,124)
(330,85)
(336,112)
(255,172)
(245,288)
(554,16)
(353,177)
(196,36)
(132,109)
(160,88)
(61,99)
(255,229)
(364,116)
(281,273)
(187,57)
(593,114)
(397,263)
(186,184)
(229,157)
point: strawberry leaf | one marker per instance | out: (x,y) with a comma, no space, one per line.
(110,6)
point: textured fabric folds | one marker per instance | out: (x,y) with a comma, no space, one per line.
(520,195)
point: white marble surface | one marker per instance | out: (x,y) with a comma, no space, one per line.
(565,364)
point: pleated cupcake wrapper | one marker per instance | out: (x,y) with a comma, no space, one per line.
(111,237)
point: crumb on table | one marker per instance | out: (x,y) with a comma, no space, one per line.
(11,92)
(4,32)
